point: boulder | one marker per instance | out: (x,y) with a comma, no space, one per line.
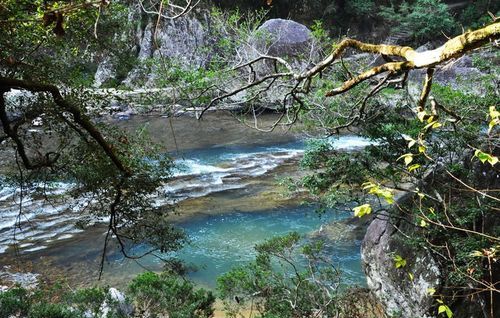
(182,40)
(285,38)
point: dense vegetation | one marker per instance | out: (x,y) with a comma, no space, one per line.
(444,154)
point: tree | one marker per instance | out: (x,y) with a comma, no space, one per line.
(450,207)
(46,47)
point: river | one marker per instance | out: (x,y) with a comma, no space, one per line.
(227,197)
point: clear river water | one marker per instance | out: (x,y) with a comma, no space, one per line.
(227,197)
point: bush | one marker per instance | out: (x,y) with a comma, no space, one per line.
(14,302)
(424,19)
(169,295)
(287,279)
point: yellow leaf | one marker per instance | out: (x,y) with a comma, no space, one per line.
(492,124)
(493,160)
(421,149)
(421,115)
(368,185)
(399,262)
(413,167)
(494,113)
(423,223)
(362,210)
(476,254)
(433,124)
(411,276)
(436,125)
(431,291)
(408,158)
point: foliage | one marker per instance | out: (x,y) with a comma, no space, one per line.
(475,14)
(423,18)
(361,8)
(157,295)
(334,172)
(289,278)
(54,303)
(67,56)
(153,295)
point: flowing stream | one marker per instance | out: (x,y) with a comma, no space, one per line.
(225,187)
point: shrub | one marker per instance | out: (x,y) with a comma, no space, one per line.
(424,19)
(165,294)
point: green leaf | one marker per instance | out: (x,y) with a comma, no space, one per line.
(441,309)
(445,309)
(362,210)
(483,157)
(449,313)
(399,262)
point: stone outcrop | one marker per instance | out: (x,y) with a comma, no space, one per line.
(181,41)
(397,291)
(105,72)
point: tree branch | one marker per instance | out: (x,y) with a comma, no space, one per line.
(78,116)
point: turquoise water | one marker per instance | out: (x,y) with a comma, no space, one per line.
(221,242)
(210,178)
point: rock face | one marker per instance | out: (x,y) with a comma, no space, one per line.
(401,295)
(285,38)
(181,41)
(105,72)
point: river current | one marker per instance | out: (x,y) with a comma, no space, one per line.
(224,185)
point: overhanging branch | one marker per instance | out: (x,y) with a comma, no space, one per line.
(78,116)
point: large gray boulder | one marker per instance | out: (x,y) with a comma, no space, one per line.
(285,38)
